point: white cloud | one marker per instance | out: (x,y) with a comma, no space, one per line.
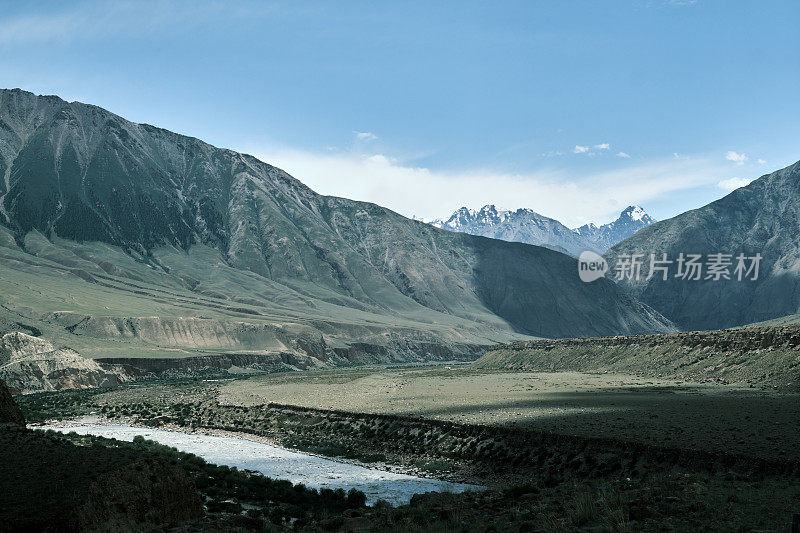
(623,154)
(365,135)
(733,183)
(431,194)
(579,149)
(737,158)
(762,162)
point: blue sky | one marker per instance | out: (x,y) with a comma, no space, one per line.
(573,109)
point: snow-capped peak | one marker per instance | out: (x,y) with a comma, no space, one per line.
(525,225)
(634,212)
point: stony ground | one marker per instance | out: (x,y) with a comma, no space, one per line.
(755,356)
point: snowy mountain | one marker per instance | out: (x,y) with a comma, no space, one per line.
(631,220)
(524,225)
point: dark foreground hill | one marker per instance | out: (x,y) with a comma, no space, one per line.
(121,239)
(65,483)
(761,218)
(49,484)
(10,412)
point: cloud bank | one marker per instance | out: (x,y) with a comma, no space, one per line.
(425,193)
(732,184)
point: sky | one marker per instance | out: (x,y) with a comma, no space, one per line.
(573,109)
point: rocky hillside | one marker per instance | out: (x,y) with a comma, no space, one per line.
(9,410)
(121,237)
(525,225)
(761,218)
(30,364)
(764,356)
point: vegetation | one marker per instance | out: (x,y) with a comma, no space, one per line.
(48,482)
(45,406)
(59,471)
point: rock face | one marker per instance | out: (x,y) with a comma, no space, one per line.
(761,218)
(30,364)
(524,225)
(10,412)
(768,356)
(127,224)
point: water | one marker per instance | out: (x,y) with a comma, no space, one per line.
(278,463)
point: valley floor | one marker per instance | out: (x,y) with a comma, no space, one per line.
(702,416)
(558,451)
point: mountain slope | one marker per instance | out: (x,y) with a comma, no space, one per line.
(527,226)
(763,218)
(179,229)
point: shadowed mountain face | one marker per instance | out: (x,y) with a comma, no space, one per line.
(761,218)
(171,212)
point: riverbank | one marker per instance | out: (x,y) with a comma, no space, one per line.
(135,422)
(233,450)
(536,479)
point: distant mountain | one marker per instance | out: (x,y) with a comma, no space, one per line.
(525,225)
(122,238)
(761,218)
(631,220)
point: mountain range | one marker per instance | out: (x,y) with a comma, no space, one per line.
(525,225)
(760,219)
(126,240)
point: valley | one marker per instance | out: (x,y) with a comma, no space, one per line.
(153,285)
(399,267)
(568,441)
(661,412)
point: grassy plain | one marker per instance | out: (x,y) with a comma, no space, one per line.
(669,413)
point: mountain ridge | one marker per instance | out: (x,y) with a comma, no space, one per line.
(760,218)
(529,227)
(108,203)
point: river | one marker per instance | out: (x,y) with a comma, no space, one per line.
(277,463)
